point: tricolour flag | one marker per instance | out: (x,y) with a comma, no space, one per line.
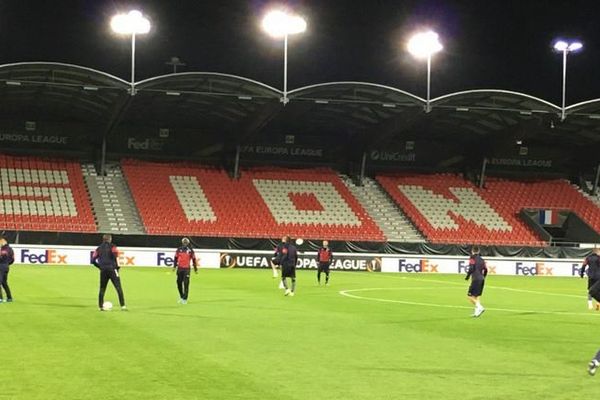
(548,217)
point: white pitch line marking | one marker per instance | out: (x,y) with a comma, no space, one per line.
(347,293)
(501,287)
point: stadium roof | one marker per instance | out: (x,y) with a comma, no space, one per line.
(243,108)
(54,91)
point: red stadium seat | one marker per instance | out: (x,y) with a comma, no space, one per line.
(43,195)
(189,199)
(448,209)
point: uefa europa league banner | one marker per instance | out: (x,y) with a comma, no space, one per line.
(306,260)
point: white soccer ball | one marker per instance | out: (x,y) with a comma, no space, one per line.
(107,305)
(299,241)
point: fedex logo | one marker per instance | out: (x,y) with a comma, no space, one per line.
(575,269)
(122,259)
(422,266)
(463,268)
(45,257)
(163,259)
(538,270)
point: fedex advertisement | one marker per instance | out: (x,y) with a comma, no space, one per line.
(496,265)
(128,256)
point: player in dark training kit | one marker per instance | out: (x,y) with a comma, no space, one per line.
(592,262)
(276,259)
(7,258)
(477,272)
(594,292)
(184,256)
(105,258)
(324,260)
(289,259)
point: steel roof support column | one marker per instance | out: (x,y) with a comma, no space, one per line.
(482,176)
(236,166)
(596,178)
(363,166)
(103,157)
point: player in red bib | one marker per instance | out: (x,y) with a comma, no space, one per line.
(184,258)
(324,260)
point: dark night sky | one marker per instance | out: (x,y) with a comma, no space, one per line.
(503,44)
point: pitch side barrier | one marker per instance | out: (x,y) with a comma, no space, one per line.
(258,259)
(390,249)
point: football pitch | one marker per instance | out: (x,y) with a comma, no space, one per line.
(367,336)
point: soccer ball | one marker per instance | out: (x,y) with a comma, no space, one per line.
(107,305)
(299,241)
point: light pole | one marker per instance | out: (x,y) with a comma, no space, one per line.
(425,45)
(175,62)
(132,23)
(565,48)
(280,24)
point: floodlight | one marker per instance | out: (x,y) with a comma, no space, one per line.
(131,23)
(561,45)
(565,48)
(424,44)
(280,24)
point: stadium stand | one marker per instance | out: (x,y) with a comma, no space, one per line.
(43,195)
(448,209)
(113,206)
(263,203)
(384,211)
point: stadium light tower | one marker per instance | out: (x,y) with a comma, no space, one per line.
(132,23)
(280,24)
(424,45)
(565,48)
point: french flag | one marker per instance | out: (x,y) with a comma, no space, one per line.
(548,217)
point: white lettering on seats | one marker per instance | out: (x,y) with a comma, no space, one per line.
(335,210)
(36,192)
(436,208)
(192,199)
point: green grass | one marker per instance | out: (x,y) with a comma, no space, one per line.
(240,338)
